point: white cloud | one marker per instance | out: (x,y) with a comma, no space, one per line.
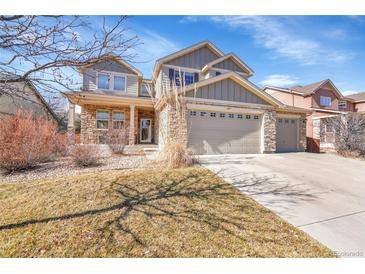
(274,35)
(189,19)
(279,80)
(349,92)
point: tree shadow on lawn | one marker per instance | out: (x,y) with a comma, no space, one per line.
(175,199)
(161,200)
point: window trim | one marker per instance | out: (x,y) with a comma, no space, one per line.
(325,97)
(118,111)
(96,119)
(111,75)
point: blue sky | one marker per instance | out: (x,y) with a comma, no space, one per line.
(282,50)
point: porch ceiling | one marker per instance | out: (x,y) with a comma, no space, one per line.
(83,98)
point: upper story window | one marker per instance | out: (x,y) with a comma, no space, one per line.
(145,89)
(186,77)
(102,119)
(325,101)
(111,81)
(119,83)
(189,78)
(103,81)
(342,104)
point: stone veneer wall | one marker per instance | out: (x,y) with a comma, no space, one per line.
(269,134)
(172,127)
(317,128)
(302,133)
(90,134)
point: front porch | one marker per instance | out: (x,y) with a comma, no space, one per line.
(114,122)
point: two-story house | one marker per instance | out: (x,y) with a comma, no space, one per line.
(324,100)
(226,112)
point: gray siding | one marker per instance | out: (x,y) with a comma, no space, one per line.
(89,78)
(162,81)
(196,59)
(228,64)
(227,90)
(113,66)
(132,85)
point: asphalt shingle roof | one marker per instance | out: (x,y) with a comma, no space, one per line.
(357,96)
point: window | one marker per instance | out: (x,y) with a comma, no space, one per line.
(118,120)
(189,78)
(256,117)
(292,121)
(248,116)
(119,83)
(177,76)
(203,113)
(145,90)
(342,104)
(280,120)
(286,121)
(103,81)
(325,101)
(192,113)
(222,115)
(102,119)
(217,73)
(239,116)
(212,114)
(328,128)
(231,115)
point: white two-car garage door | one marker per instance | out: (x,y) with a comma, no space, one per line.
(286,135)
(223,132)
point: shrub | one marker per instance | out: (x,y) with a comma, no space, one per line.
(60,144)
(86,155)
(349,133)
(176,155)
(26,141)
(117,139)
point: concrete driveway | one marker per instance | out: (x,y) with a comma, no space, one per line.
(322,194)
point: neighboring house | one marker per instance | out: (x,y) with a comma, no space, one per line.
(226,112)
(324,100)
(358,100)
(25,98)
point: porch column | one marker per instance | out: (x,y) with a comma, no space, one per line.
(131,126)
(71,123)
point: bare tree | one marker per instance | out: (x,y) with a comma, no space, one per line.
(349,132)
(43,49)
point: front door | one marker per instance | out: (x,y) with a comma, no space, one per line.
(145,131)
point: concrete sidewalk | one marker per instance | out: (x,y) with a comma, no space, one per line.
(322,194)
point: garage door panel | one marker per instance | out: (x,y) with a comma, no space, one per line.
(286,135)
(217,135)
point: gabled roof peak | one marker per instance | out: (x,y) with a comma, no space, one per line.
(111,56)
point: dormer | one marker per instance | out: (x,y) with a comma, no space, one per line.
(112,75)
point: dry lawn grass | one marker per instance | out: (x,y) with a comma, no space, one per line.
(153,213)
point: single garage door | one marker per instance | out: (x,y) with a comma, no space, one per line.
(220,133)
(286,135)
